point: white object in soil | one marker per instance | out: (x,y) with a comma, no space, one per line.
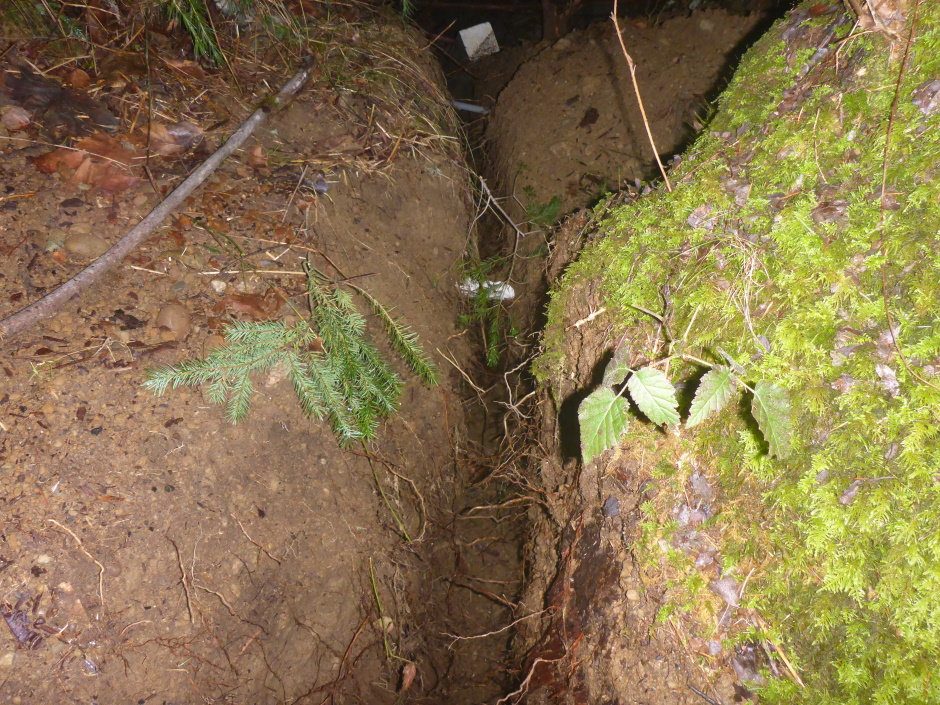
(495,291)
(479,41)
(469,107)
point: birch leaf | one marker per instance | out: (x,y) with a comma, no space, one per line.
(712,395)
(602,417)
(617,369)
(654,395)
(771,410)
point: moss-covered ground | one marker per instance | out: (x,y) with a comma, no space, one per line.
(802,240)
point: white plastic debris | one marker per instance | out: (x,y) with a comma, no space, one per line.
(495,291)
(479,41)
(469,107)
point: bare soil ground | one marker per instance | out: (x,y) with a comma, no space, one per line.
(153,552)
(568,124)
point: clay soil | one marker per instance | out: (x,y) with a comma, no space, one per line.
(153,552)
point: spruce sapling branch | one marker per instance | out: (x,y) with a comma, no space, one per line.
(403,339)
(336,372)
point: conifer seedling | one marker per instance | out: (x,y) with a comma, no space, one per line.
(337,373)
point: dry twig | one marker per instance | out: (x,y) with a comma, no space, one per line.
(631,64)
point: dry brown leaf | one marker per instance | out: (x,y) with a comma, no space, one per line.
(79,79)
(49,163)
(122,68)
(83,172)
(257,158)
(186,67)
(161,141)
(305,8)
(100,161)
(106,163)
(217,225)
(113,180)
(249,304)
(408,673)
(108,148)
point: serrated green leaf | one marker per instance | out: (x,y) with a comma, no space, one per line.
(602,418)
(617,369)
(654,395)
(771,410)
(714,391)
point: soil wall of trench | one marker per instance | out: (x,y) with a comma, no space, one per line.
(152,551)
(567,130)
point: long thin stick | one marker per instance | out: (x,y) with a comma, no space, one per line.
(48,304)
(631,64)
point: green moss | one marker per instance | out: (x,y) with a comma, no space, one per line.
(855,577)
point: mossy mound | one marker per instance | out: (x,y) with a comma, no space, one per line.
(802,240)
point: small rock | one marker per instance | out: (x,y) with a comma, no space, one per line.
(53,239)
(702,488)
(218,286)
(727,589)
(44,559)
(16,118)
(175,319)
(6,659)
(927,97)
(633,595)
(699,218)
(86,245)
(81,228)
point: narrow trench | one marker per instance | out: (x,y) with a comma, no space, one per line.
(517,245)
